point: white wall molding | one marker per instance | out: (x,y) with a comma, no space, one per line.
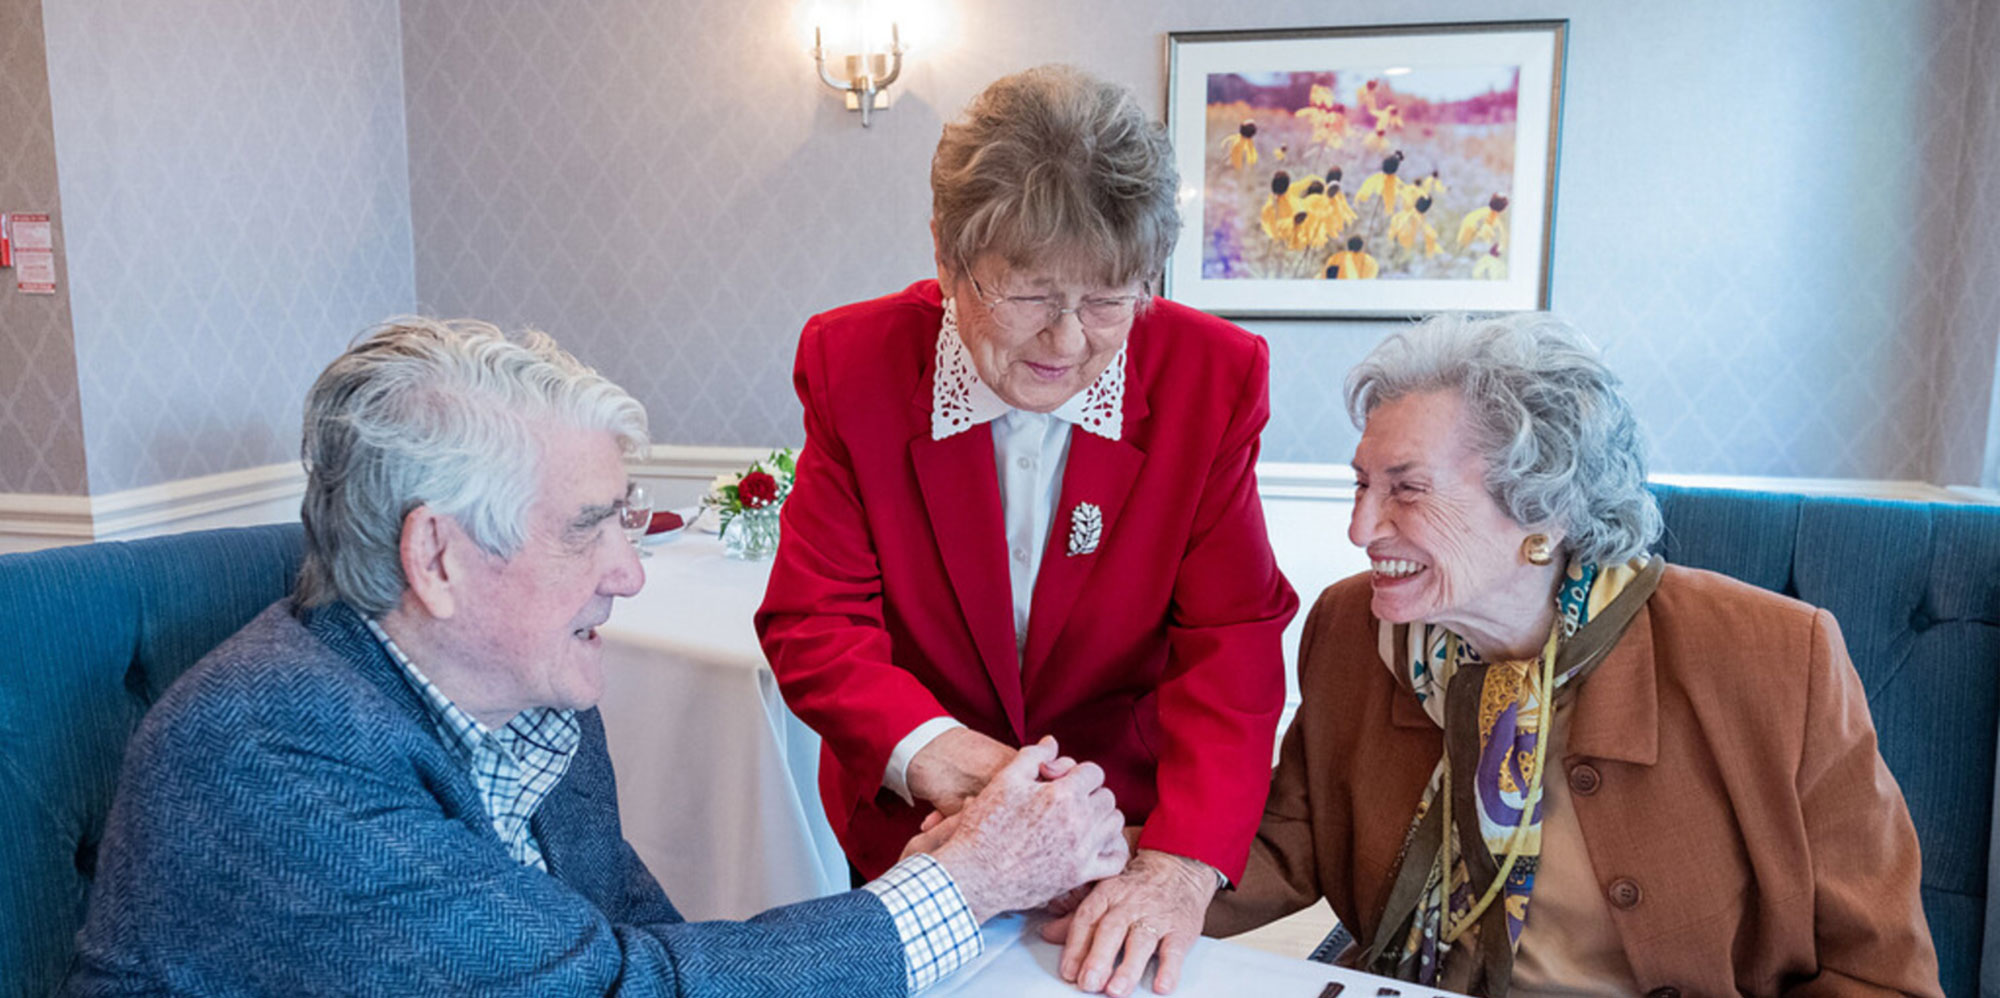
(679,474)
(266,494)
(1283,480)
(29,521)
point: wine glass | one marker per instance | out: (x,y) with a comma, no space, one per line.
(635,515)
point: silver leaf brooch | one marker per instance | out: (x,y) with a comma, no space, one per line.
(1086,527)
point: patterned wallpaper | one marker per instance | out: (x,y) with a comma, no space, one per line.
(41,423)
(236,189)
(1764,209)
(1969,445)
(1758,211)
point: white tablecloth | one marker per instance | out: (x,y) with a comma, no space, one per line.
(1018,964)
(717,781)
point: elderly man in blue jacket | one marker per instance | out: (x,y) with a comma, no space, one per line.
(393,781)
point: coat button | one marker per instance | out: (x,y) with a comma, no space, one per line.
(1625,894)
(1666,992)
(1584,779)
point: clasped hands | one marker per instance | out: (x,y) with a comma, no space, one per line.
(1152,905)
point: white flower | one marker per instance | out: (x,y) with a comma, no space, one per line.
(724,481)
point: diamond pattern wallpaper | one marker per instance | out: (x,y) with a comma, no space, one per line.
(41,422)
(1758,214)
(236,191)
(1769,214)
(1969,400)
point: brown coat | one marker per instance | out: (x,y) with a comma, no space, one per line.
(1723,770)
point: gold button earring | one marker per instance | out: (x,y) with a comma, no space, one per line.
(1536,548)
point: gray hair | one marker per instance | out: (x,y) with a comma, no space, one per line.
(439,413)
(1560,441)
(1056,162)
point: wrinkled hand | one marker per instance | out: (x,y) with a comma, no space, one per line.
(1043,825)
(937,829)
(1067,902)
(1157,904)
(954,767)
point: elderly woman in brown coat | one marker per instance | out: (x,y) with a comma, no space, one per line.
(1531,760)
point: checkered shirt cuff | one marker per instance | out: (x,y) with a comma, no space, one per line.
(938,931)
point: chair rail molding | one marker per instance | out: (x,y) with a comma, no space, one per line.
(679,474)
(249,496)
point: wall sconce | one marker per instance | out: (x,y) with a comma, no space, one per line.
(868,74)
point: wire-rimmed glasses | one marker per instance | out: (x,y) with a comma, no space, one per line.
(1026,313)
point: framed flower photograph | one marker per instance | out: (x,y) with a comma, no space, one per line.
(1365,172)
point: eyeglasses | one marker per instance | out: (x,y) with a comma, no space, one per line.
(1025,313)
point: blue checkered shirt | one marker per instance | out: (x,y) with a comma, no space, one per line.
(938,931)
(514,767)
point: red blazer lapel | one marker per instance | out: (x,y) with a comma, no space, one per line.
(1099,472)
(961,491)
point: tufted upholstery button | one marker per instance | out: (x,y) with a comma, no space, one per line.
(1584,779)
(1624,894)
(1666,992)
(86,857)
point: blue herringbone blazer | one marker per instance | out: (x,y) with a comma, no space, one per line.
(288,822)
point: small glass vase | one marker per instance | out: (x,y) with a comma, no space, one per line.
(752,534)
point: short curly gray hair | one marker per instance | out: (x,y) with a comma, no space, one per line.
(439,413)
(1560,441)
(1054,162)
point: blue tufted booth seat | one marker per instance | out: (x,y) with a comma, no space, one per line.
(1916,589)
(92,636)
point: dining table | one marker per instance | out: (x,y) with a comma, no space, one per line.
(717,780)
(1017,963)
(718,788)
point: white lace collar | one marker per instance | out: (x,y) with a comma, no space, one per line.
(961,401)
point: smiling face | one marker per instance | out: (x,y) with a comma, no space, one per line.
(1037,369)
(1441,549)
(526,630)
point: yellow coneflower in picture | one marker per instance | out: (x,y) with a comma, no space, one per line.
(1327,212)
(1366,95)
(1384,184)
(1314,230)
(1491,267)
(1410,223)
(1278,154)
(1347,215)
(1376,142)
(1433,186)
(1279,209)
(1483,224)
(1242,146)
(1388,118)
(1351,264)
(1328,117)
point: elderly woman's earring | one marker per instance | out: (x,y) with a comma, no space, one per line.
(1536,549)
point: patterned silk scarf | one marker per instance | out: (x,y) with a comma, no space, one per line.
(1491,717)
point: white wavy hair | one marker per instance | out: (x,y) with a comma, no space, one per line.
(439,413)
(1560,441)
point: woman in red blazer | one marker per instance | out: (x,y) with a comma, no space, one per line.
(1028,506)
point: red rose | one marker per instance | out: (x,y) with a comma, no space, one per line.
(757,490)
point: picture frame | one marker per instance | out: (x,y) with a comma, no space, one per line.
(1461,220)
